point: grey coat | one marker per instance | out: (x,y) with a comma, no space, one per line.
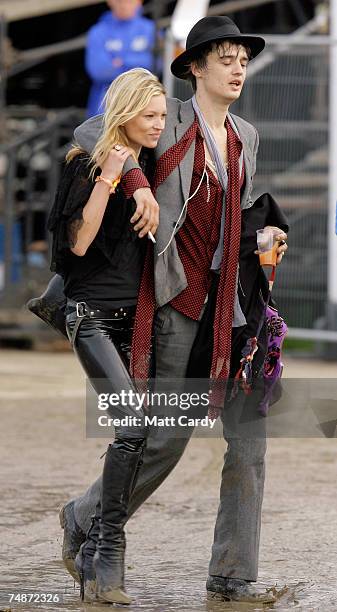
(170,277)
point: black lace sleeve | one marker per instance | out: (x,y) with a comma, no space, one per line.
(65,217)
(147,163)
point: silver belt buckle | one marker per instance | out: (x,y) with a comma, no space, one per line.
(80,309)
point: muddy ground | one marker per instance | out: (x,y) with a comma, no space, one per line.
(45,459)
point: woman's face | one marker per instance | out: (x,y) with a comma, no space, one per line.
(145,129)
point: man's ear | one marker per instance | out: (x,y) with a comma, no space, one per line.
(197,72)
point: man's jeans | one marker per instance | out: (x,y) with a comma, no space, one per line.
(237,529)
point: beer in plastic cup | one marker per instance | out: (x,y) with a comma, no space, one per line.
(267,246)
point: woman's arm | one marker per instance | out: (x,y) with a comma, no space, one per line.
(94,209)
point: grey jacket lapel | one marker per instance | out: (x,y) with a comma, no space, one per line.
(186,165)
(247,144)
(187,117)
(247,158)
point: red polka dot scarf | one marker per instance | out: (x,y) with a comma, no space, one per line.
(222,331)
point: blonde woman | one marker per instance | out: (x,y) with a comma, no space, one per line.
(100,254)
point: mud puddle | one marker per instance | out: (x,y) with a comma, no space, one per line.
(45,459)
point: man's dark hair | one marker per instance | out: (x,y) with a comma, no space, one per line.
(201,59)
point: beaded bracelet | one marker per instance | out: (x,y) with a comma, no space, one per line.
(109,182)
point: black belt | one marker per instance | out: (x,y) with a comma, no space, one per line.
(83,311)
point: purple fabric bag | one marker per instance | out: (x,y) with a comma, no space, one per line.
(272,365)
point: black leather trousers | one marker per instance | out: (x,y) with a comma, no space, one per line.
(103,347)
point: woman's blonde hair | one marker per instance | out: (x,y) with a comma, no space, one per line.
(128,95)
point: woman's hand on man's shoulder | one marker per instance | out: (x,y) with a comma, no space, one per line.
(113,165)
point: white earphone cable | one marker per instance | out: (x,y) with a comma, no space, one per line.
(183,209)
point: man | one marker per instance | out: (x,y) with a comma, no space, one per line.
(122,39)
(206,160)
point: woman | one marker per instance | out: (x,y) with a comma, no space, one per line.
(101,257)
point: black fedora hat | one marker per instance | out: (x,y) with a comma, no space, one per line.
(209,29)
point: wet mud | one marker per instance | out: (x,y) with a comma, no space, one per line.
(45,460)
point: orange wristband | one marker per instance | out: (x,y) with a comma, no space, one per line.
(109,182)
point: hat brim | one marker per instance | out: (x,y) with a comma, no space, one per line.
(179,66)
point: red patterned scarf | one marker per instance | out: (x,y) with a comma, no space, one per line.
(146,305)
(222,331)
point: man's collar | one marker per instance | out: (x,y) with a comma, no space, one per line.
(187,114)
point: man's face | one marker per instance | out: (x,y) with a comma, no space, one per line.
(124,9)
(225,73)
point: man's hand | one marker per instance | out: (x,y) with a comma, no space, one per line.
(281,238)
(146,216)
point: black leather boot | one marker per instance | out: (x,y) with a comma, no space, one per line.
(121,466)
(51,305)
(73,537)
(84,559)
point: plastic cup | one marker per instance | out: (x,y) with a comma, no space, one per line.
(267,246)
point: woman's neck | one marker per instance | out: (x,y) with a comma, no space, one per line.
(136,149)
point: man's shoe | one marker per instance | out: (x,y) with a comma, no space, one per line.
(235,589)
(73,537)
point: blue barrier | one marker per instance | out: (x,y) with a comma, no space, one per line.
(16,259)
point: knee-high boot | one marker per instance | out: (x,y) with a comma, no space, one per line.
(84,560)
(121,466)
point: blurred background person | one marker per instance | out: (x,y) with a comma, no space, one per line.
(122,39)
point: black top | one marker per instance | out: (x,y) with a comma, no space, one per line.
(108,275)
